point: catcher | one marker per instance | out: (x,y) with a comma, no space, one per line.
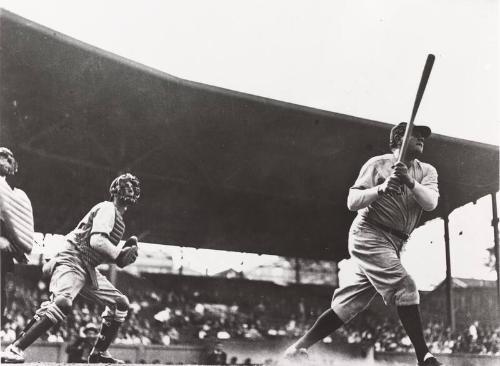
(16,223)
(73,272)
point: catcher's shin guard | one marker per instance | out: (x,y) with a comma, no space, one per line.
(109,331)
(49,314)
(27,327)
(33,331)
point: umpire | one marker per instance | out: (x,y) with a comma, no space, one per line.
(8,237)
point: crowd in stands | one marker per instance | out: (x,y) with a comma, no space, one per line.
(391,337)
(183,314)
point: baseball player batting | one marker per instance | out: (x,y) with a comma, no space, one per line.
(389,197)
(73,272)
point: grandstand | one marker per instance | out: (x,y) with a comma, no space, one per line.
(182,313)
(265,195)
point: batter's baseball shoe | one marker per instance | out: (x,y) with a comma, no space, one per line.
(12,354)
(292,353)
(103,357)
(431,361)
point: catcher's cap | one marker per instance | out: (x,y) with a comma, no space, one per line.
(424,130)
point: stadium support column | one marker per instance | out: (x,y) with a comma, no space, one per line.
(494,223)
(297,270)
(2,284)
(449,280)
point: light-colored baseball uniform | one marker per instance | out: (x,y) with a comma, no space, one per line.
(375,251)
(73,271)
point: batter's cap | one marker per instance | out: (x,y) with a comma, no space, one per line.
(398,131)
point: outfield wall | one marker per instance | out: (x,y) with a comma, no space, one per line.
(56,352)
(396,359)
(258,352)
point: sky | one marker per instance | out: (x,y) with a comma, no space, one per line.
(358,57)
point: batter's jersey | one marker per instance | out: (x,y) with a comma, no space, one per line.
(103,218)
(399,212)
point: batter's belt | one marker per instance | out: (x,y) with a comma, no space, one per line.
(389,230)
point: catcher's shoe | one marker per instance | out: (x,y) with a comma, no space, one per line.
(431,361)
(12,354)
(103,357)
(292,353)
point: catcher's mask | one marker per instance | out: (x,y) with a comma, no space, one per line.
(118,188)
(11,169)
(398,132)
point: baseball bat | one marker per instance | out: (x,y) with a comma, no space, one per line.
(420,92)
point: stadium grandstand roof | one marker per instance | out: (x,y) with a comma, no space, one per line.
(219,169)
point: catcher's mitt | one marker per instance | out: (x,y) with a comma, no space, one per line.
(130,242)
(127,256)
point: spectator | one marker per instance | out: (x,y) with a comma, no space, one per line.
(473,331)
(173,334)
(217,356)
(253,333)
(7,334)
(80,346)
(170,317)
